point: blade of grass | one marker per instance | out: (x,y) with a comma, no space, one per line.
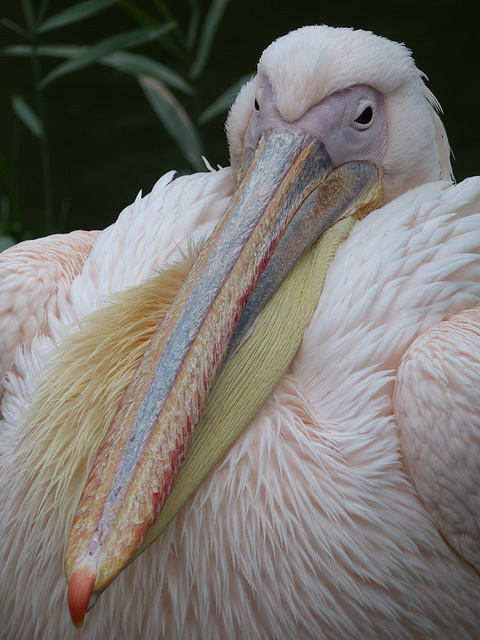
(223,102)
(97,51)
(212,22)
(174,119)
(78,12)
(27,115)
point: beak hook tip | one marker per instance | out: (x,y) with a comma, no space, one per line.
(80,589)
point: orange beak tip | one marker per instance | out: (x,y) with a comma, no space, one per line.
(80,588)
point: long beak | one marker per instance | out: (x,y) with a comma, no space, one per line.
(287,197)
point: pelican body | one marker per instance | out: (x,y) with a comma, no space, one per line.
(211,438)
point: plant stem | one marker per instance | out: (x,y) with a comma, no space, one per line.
(45,156)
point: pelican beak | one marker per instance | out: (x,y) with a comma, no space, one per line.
(288,195)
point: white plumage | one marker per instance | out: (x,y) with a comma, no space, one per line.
(348,508)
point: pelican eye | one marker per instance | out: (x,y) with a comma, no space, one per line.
(365,117)
(256,106)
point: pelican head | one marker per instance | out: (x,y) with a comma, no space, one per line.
(360,93)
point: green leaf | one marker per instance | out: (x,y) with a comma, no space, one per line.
(26,114)
(137,65)
(212,21)
(49,50)
(97,51)
(146,19)
(132,63)
(174,119)
(61,50)
(13,26)
(28,14)
(223,102)
(42,11)
(139,14)
(193,27)
(19,50)
(80,11)
(165,11)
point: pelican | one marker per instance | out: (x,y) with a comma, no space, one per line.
(334,496)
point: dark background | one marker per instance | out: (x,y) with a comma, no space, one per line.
(106,143)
